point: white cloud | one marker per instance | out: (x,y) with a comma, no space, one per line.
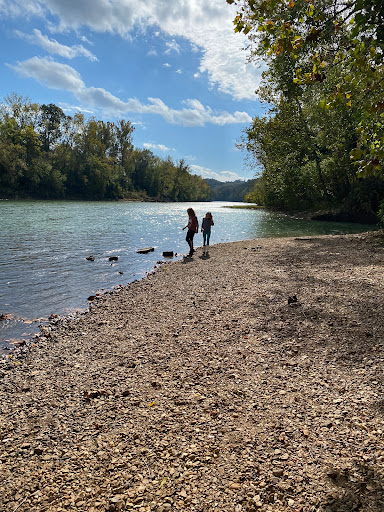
(179,71)
(208,26)
(152,52)
(61,76)
(50,73)
(166,65)
(219,176)
(157,147)
(195,48)
(73,109)
(53,47)
(172,46)
(85,40)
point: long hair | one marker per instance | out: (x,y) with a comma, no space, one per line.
(191,212)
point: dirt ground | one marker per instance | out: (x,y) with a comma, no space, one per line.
(247,380)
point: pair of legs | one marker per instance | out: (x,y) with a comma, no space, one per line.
(206,237)
(189,239)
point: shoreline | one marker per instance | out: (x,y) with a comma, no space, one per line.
(250,380)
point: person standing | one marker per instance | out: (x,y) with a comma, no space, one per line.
(193,227)
(206,229)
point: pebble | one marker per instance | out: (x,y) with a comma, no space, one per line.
(110,410)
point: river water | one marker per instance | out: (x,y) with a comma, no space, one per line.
(44,246)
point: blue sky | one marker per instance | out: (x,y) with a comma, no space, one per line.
(174,68)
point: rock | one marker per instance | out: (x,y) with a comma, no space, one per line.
(90,258)
(145,250)
(113,258)
(5,316)
(168,254)
(95,394)
(278,472)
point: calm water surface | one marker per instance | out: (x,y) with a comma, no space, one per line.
(44,245)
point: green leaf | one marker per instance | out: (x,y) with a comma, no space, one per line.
(310,10)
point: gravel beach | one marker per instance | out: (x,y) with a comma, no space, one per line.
(247,380)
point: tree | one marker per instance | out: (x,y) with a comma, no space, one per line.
(304,41)
(50,124)
(58,156)
(20,109)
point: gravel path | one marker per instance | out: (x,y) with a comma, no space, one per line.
(250,380)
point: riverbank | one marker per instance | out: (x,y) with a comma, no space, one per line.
(250,380)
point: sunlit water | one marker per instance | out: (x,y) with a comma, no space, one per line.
(44,245)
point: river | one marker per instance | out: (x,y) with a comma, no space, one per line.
(44,246)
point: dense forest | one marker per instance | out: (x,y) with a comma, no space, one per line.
(229,190)
(321,144)
(46,154)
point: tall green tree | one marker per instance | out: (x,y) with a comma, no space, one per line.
(306,41)
(325,67)
(50,125)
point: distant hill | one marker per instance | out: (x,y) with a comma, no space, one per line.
(229,190)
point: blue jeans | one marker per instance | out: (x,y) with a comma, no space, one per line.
(206,237)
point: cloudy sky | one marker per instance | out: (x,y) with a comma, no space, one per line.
(174,68)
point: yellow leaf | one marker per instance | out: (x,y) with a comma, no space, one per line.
(163,481)
(151,404)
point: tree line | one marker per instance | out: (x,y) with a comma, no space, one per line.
(321,143)
(46,154)
(229,191)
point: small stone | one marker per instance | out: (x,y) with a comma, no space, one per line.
(118,499)
(235,486)
(278,472)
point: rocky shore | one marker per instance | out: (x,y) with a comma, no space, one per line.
(249,380)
